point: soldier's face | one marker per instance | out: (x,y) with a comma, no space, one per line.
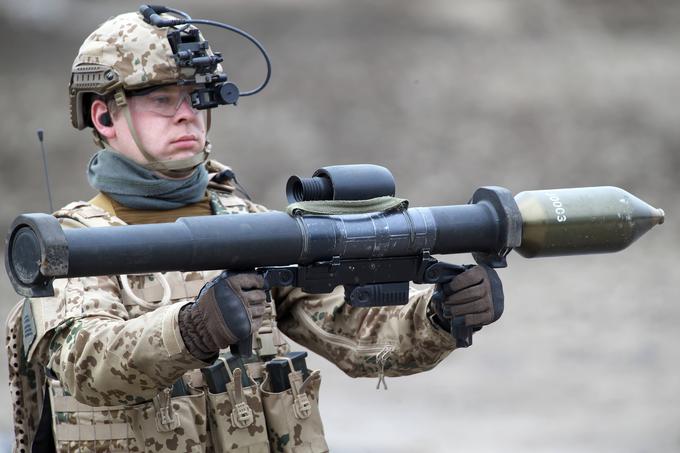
(166,124)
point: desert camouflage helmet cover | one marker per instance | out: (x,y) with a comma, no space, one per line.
(124,52)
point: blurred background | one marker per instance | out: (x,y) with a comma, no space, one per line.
(450,95)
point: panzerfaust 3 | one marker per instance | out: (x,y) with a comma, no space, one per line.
(372,254)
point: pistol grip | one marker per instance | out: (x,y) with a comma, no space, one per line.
(463,333)
(243,348)
(459,331)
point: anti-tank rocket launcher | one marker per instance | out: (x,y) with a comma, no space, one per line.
(343,228)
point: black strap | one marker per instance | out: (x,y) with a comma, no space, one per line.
(44,437)
(228,175)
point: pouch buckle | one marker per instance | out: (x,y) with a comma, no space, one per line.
(301,406)
(166,418)
(242,415)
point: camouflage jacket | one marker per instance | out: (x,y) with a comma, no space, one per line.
(99,346)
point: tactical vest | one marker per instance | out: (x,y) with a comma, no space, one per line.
(259,412)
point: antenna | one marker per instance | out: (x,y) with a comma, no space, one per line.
(41,135)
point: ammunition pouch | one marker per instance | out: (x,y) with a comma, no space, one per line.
(293,419)
(172,423)
(236,418)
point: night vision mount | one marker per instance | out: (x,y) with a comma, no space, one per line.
(191,51)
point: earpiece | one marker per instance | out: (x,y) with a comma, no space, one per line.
(105,119)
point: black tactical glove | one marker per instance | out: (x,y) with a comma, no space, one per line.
(474,298)
(227,311)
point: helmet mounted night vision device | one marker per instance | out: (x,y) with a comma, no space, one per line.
(191,51)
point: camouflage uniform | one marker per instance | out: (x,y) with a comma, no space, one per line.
(107,350)
(110,362)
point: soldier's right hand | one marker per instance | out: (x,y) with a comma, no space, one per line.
(228,309)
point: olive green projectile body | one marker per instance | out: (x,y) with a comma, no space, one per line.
(582,221)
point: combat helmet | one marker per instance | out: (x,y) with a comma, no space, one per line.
(139,50)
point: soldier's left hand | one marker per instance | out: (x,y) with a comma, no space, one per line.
(476,294)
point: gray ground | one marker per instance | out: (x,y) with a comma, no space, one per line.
(450,95)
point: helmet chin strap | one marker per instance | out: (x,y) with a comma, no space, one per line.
(173,168)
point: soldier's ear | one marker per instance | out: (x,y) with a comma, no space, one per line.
(101,119)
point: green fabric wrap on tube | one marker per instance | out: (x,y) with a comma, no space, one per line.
(336,207)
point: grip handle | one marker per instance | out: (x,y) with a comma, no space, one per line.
(244,348)
(459,331)
(462,332)
(441,273)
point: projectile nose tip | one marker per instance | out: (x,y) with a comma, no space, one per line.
(661,217)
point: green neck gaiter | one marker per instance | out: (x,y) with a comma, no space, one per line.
(134,186)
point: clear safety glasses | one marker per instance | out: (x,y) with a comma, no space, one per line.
(164,101)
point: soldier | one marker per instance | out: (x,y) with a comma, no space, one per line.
(131,362)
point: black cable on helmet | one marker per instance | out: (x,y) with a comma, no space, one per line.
(152,16)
